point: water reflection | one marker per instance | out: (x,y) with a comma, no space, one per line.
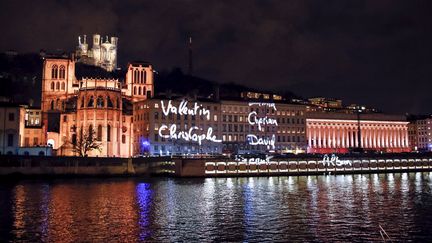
(312,208)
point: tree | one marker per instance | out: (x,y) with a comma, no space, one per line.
(85,142)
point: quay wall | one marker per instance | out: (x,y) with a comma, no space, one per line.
(92,166)
(211,167)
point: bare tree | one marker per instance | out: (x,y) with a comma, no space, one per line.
(85,142)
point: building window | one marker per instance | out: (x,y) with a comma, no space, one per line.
(91,102)
(139,90)
(54,72)
(63,86)
(58,86)
(135,76)
(82,102)
(10,140)
(62,72)
(11,116)
(52,104)
(52,85)
(109,133)
(99,133)
(109,102)
(123,138)
(134,90)
(100,102)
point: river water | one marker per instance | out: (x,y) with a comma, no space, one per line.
(306,208)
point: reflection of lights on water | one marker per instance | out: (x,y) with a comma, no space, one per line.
(375,180)
(229,183)
(391,181)
(290,183)
(418,182)
(144,198)
(251,182)
(271,182)
(404,177)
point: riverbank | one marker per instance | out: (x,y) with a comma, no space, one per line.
(36,166)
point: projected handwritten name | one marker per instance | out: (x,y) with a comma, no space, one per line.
(189,135)
(262,122)
(333,160)
(194,133)
(183,109)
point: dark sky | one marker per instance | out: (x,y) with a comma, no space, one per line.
(374,52)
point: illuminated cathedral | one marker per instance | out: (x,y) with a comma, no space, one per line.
(83,93)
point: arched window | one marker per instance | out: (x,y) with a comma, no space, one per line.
(58,86)
(100,102)
(109,102)
(62,73)
(99,133)
(63,86)
(123,138)
(109,133)
(54,71)
(144,90)
(142,77)
(145,76)
(52,85)
(52,104)
(139,91)
(135,76)
(91,102)
(82,101)
(134,90)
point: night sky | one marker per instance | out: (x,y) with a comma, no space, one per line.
(375,52)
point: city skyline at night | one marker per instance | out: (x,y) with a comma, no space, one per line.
(215,121)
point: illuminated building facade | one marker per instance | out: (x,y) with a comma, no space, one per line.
(78,97)
(33,127)
(175,127)
(11,127)
(251,127)
(181,126)
(420,134)
(326,102)
(339,133)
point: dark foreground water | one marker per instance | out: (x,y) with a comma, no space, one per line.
(314,208)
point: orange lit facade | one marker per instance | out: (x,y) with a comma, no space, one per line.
(333,135)
(76,98)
